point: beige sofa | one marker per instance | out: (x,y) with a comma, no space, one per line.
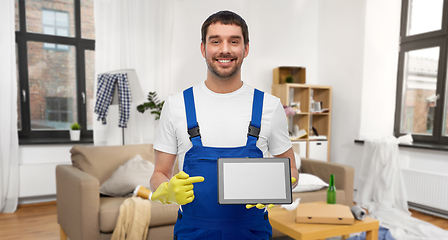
(85,215)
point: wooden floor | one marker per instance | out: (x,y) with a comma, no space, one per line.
(33,221)
(38,222)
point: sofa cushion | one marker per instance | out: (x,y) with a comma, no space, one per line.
(309,182)
(127,177)
(102,161)
(161,214)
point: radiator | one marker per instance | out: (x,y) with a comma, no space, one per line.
(427,189)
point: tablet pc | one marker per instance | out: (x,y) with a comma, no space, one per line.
(254,180)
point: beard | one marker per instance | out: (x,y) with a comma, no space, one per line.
(223,72)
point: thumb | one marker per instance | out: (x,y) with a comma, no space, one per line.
(182,175)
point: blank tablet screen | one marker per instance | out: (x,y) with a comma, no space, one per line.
(254,180)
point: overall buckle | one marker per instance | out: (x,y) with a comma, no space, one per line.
(253,131)
(194,132)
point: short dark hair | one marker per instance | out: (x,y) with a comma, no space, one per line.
(226,17)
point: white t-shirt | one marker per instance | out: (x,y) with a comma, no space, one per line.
(223,121)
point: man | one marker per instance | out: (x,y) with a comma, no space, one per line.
(222,107)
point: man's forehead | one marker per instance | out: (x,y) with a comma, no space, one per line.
(220,29)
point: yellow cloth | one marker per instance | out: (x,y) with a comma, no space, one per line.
(133,219)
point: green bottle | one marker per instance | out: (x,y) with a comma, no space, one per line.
(331,191)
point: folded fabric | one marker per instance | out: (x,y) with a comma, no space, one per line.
(133,219)
(292,206)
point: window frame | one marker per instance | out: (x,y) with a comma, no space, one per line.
(439,39)
(26,134)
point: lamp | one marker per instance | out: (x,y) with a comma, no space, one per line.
(134,86)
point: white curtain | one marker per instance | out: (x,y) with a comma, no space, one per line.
(381,190)
(133,34)
(9,146)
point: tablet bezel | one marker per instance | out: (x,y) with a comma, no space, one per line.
(288,187)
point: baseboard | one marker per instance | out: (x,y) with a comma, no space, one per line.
(428,210)
(37,200)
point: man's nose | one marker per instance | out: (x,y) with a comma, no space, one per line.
(225,48)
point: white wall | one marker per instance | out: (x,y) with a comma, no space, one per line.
(340,58)
(37,165)
(282,33)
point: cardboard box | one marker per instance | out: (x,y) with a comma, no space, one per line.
(321,212)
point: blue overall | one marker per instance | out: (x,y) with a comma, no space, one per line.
(204,218)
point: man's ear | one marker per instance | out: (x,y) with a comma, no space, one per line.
(203,49)
(246,50)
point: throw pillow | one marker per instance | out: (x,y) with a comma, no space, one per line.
(309,182)
(128,176)
(298,160)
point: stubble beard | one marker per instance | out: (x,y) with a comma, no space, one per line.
(223,75)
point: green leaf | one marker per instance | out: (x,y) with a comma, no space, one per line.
(153,103)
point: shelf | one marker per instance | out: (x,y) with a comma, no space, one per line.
(300,93)
(298,74)
(320,114)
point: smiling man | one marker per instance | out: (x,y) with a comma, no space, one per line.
(222,117)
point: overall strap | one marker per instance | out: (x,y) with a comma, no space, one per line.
(255,123)
(192,123)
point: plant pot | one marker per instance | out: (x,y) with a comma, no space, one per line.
(75,135)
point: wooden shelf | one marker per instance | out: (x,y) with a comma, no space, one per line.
(299,92)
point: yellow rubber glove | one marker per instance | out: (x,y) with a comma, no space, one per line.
(261,206)
(178,190)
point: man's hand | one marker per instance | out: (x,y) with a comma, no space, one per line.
(261,206)
(178,190)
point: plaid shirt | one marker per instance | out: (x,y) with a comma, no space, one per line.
(106,87)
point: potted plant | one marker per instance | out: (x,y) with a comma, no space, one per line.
(75,132)
(289,79)
(153,103)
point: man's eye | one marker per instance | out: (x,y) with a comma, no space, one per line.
(215,41)
(234,42)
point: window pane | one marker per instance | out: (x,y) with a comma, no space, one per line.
(52,84)
(49,30)
(424,16)
(61,19)
(17,16)
(61,32)
(419,91)
(90,81)
(40,14)
(19,118)
(48,17)
(87,23)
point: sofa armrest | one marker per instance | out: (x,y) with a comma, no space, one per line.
(344,175)
(78,203)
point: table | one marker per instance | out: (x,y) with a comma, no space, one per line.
(284,221)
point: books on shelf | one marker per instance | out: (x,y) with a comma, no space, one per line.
(324,110)
(300,134)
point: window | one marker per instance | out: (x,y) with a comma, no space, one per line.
(55,23)
(58,110)
(421,103)
(55,66)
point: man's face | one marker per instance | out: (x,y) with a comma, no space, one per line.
(224,50)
